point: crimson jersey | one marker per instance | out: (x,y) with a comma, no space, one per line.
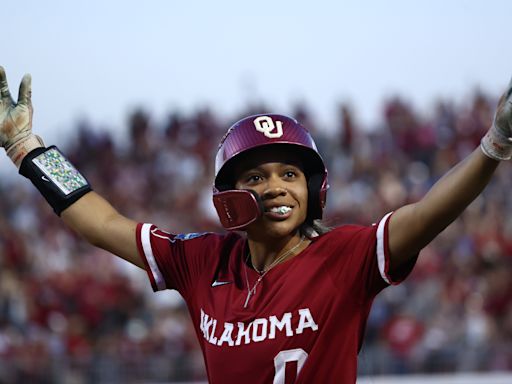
(306,320)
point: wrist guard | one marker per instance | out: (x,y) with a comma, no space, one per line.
(496,144)
(55,177)
(19,149)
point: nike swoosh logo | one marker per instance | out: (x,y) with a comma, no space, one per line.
(218,283)
(44,178)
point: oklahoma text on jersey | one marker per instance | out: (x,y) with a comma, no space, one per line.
(258,330)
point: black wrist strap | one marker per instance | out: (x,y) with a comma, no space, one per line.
(55,177)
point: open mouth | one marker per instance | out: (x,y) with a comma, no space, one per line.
(279,210)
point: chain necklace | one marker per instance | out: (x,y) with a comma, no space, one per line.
(252,291)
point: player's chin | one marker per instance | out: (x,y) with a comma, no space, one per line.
(281,228)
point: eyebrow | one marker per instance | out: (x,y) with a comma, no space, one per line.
(260,168)
(281,165)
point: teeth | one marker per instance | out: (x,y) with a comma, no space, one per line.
(281,210)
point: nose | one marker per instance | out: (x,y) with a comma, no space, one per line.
(274,188)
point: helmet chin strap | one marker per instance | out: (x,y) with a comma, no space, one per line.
(237,208)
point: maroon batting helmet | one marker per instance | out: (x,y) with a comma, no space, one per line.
(238,208)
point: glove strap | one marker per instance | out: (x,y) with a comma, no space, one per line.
(55,177)
(496,145)
(22,147)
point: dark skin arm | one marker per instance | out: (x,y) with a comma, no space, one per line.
(413,226)
(91,216)
(102,226)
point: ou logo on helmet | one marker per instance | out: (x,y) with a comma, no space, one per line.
(266,125)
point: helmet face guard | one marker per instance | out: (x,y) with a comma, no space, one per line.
(239,208)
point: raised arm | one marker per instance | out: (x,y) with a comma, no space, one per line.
(413,226)
(100,224)
(66,190)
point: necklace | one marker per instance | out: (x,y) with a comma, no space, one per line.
(252,291)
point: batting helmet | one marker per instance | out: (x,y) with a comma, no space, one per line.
(238,208)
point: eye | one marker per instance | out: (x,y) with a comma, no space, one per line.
(290,174)
(252,178)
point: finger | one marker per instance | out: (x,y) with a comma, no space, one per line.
(25,92)
(4,88)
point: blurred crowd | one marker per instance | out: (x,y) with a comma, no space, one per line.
(70,313)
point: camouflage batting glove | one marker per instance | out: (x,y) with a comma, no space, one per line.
(16,120)
(497,143)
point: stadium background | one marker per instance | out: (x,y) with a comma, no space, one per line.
(111,88)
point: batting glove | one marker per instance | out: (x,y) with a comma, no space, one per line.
(497,143)
(16,120)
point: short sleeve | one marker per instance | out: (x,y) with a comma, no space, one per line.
(382,250)
(175,261)
(359,258)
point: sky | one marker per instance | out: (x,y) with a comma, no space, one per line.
(97,60)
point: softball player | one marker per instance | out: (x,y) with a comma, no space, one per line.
(278,298)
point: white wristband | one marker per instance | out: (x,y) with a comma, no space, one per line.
(21,148)
(496,145)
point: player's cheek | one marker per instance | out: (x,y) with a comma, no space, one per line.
(303,206)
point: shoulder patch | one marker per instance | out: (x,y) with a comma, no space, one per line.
(189,236)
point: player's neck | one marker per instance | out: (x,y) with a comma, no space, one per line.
(266,254)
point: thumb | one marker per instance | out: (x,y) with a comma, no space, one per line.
(508,92)
(25,92)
